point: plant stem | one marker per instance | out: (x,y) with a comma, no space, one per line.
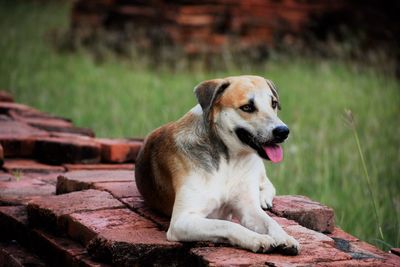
(364,165)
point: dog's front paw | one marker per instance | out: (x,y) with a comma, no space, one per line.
(266,196)
(288,246)
(262,244)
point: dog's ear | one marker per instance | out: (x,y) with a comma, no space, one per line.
(208,92)
(274,91)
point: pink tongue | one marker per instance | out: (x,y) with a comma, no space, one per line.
(274,153)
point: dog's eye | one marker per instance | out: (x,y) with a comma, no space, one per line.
(274,103)
(249,108)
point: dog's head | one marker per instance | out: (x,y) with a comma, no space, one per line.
(242,110)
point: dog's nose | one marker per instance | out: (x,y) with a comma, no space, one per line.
(280,133)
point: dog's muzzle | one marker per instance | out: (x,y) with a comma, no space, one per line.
(270,150)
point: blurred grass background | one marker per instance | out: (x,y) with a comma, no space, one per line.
(127,99)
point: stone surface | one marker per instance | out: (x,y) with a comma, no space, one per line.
(306,212)
(50,212)
(84,226)
(119,150)
(59,150)
(28,165)
(81,180)
(13,255)
(18,139)
(89,167)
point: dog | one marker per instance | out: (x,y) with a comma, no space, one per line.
(206,168)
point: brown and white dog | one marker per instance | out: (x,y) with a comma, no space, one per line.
(207,167)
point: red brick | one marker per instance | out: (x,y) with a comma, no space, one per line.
(6,107)
(13,255)
(14,224)
(354,263)
(84,226)
(315,248)
(302,234)
(50,211)
(56,251)
(119,150)
(6,96)
(395,251)
(58,150)
(81,180)
(22,188)
(89,167)
(138,205)
(339,233)
(30,113)
(363,250)
(18,139)
(306,212)
(6,177)
(119,189)
(49,123)
(50,178)
(86,261)
(129,246)
(27,165)
(1,155)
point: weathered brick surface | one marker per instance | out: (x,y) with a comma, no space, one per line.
(81,180)
(13,255)
(395,251)
(14,224)
(119,189)
(119,150)
(21,188)
(94,167)
(6,177)
(306,212)
(28,165)
(1,155)
(128,246)
(59,150)
(56,251)
(6,96)
(84,226)
(49,123)
(18,139)
(138,205)
(51,211)
(6,107)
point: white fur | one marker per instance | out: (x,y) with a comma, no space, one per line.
(206,201)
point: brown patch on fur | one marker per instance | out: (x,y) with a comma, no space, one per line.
(158,169)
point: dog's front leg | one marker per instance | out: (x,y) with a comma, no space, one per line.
(254,218)
(267,191)
(193,227)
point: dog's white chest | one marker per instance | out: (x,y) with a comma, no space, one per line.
(215,193)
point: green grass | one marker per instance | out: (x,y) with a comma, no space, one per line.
(125,99)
